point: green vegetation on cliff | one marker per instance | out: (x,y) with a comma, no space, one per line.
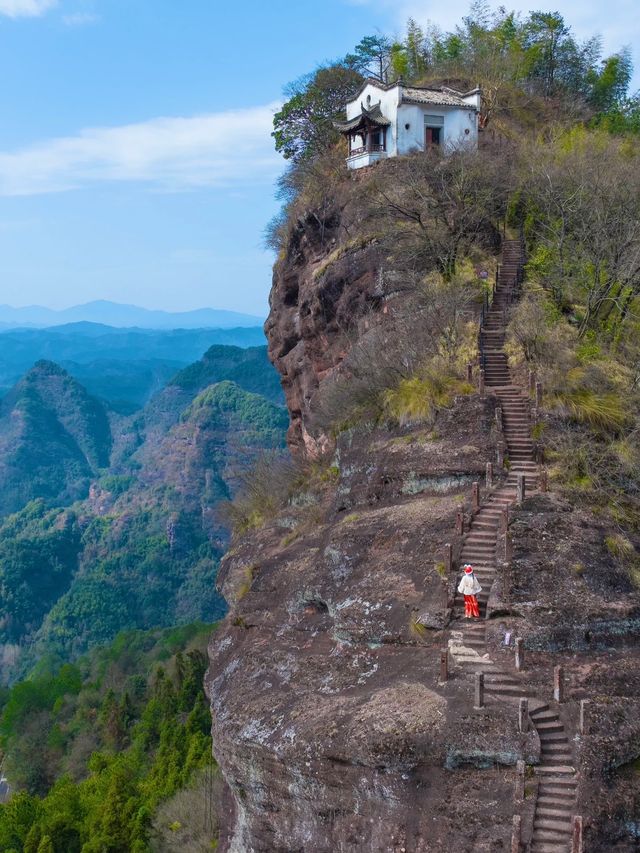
(100,749)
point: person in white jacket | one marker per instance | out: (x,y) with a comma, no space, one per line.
(469,587)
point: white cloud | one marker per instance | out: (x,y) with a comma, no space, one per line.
(218,149)
(26,8)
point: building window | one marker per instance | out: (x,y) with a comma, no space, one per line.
(376,140)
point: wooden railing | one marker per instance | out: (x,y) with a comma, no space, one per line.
(364,150)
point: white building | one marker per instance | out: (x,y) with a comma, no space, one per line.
(390,120)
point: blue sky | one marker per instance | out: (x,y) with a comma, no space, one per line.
(135,158)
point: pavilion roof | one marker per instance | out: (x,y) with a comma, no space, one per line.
(366,118)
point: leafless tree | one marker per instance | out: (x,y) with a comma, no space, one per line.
(433,209)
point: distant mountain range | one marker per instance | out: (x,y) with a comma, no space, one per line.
(124,366)
(124,316)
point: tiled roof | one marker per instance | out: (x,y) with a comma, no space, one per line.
(437,97)
(374,116)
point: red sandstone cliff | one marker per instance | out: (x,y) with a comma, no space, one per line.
(330,723)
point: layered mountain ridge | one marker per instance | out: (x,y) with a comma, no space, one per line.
(112,522)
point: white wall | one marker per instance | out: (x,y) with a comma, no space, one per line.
(401,140)
(455,124)
(456,121)
(389,106)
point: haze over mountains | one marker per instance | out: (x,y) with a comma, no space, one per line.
(124,316)
(125,367)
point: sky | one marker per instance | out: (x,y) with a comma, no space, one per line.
(136,162)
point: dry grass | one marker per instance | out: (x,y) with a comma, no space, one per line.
(605,413)
(416,628)
(264,490)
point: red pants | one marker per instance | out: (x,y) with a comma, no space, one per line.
(471,606)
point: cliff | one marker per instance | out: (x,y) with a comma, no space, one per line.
(323,289)
(332,722)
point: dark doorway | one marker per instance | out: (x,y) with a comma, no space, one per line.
(432,136)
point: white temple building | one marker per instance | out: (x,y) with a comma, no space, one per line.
(391,120)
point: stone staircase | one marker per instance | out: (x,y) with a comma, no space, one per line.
(553,817)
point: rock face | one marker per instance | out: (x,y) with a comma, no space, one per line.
(322,290)
(330,724)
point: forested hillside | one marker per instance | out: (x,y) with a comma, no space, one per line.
(124,367)
(112,752)
(112,522)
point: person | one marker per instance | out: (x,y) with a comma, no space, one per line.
(469,587)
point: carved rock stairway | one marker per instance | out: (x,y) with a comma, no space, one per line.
(552,825)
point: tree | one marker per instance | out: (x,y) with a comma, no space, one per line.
(304,127)
(610,87)
(371,57)
(546,33)
(433,209)
(584,197)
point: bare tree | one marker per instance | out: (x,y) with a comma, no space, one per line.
(434,209)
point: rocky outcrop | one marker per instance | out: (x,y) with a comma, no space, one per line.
(323,289)
(330,724)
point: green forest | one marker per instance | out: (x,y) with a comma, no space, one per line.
(99,750)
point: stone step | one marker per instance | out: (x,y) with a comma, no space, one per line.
(470,635)
(475,552)
(556,750)
(553,737)
(502,678)
(559,792)
(473,663)
(554,769)
(550,727)
(479,548)
(559,825)
(545,717)
(480,535)
(562,814)
(545,833)
(548,847)
(569,784)
(505,689)
(546,801)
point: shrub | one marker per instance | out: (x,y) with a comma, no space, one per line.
(603,412)
(620,547)
(264,489)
